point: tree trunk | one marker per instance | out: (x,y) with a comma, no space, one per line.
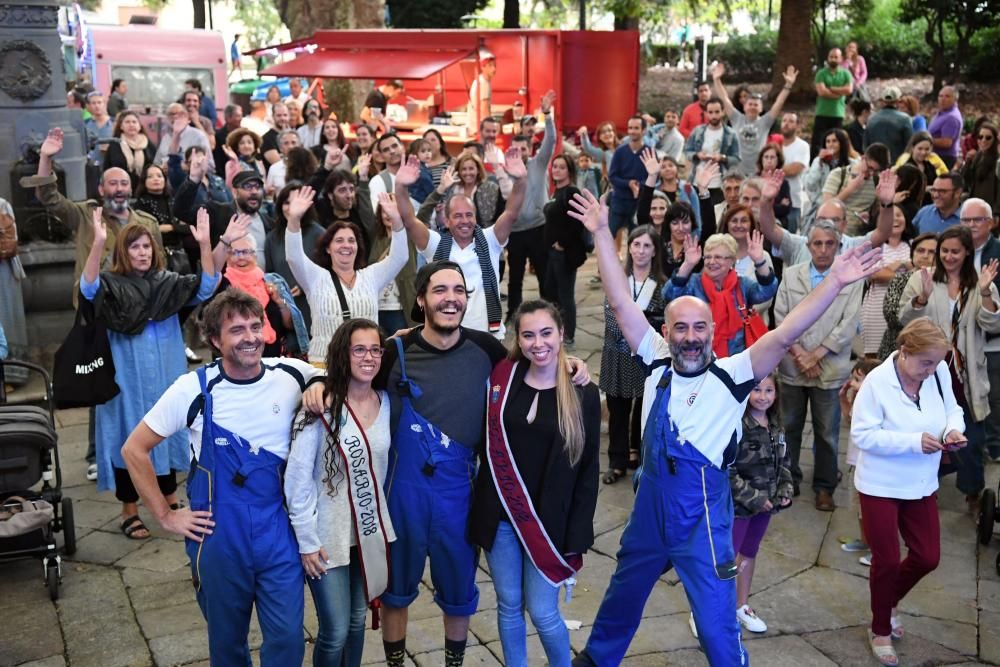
(934,36)
(199,13)
(511,14)
(303,17)
(795,48)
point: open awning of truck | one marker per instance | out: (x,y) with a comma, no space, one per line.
(372,54)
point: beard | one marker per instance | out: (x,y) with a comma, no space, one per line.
(690,365)
(433,323)
(114,206)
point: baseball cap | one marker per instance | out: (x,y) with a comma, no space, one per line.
(424,277)
(246,176)
(891,94)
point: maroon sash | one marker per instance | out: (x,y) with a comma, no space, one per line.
(510,487)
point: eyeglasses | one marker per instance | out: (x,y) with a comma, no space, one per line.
(243,253)
(985,137)
(719,258)
(360,352)
(978,220)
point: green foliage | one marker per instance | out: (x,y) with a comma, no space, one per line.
(431,13)
(985,54)
(748,58)
(261,20)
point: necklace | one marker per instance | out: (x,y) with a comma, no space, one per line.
(915,397)
(637,292)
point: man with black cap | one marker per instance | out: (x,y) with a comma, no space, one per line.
(243,217)
(427,373)
(752,127)
(889,125)
(475,249)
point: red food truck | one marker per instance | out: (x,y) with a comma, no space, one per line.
(595,74)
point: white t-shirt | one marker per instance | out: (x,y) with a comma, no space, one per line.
(713,144)
(707,410)
(475,312)
(797,153)
(260,411)
(276,175)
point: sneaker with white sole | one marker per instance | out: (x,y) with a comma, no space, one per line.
(750,620)
(694,628)
(866,560)
(92,472)
(854,546)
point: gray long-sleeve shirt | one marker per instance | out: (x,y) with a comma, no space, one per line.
(537,192)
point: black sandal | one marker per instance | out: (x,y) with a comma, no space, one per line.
(633,459)
(132,525)
(612,476)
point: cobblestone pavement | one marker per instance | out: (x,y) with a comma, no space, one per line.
(127,603)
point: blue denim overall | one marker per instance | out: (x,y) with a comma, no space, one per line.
(429,488)
(251,557)
(682,518)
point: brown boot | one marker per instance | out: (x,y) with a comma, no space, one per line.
(824,501)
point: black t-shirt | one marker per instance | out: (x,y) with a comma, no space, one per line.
(376,100)
(453,382)
(532,443)
(269,141)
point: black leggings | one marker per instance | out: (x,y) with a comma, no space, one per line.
(125,489)
(624,432)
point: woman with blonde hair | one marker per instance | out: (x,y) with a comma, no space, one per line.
(536,493)
(905,416)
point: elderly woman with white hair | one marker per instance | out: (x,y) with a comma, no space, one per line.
(729,295)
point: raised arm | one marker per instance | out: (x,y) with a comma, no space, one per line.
(306,273)
(885,193)
(717,71)
(544,153)
(518,172)
(772,186)
(790,75)
(407,175)
(706,209)
(49,194)
(594,216)
(851,266)
(92,269)
(385,271)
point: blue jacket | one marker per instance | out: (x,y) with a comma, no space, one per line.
(730,147)
(754,292)
(625,166)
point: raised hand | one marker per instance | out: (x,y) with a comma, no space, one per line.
(387,201)
(856,264)
(692,253)
(772,184)
(408,172)
(926,283)
(201,230)
(299,203)
(238,227)
(100,227)
(705,173)
(886,188)
(755,246)
(717,70)
(53,142)
(197,167)
(582,131)
(650,161)
(230,153)
(547,99)
(448,178)
(364,163)
(790,75)
(987,275)
(587,209)
(513,164)
(179,124)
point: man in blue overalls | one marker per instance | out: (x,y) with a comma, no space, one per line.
(683,507)
(437,377)
(241,545)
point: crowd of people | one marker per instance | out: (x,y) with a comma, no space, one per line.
(352,292)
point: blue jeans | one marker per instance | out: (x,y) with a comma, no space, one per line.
(341,608)
(825,407)
(518,585)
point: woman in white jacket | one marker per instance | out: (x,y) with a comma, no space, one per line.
(905,416)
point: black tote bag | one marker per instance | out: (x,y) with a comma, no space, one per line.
(84,372)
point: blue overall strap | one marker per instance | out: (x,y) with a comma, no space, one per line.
(652,431)
(406,387)
(206,458)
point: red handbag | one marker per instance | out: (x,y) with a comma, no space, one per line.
(754,326)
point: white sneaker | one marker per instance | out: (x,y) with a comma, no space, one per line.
(92,472)
(866,561)
(694,628)
(750,620)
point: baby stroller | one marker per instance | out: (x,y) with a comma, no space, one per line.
(29,453)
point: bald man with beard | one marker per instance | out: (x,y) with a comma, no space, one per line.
(115,190)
